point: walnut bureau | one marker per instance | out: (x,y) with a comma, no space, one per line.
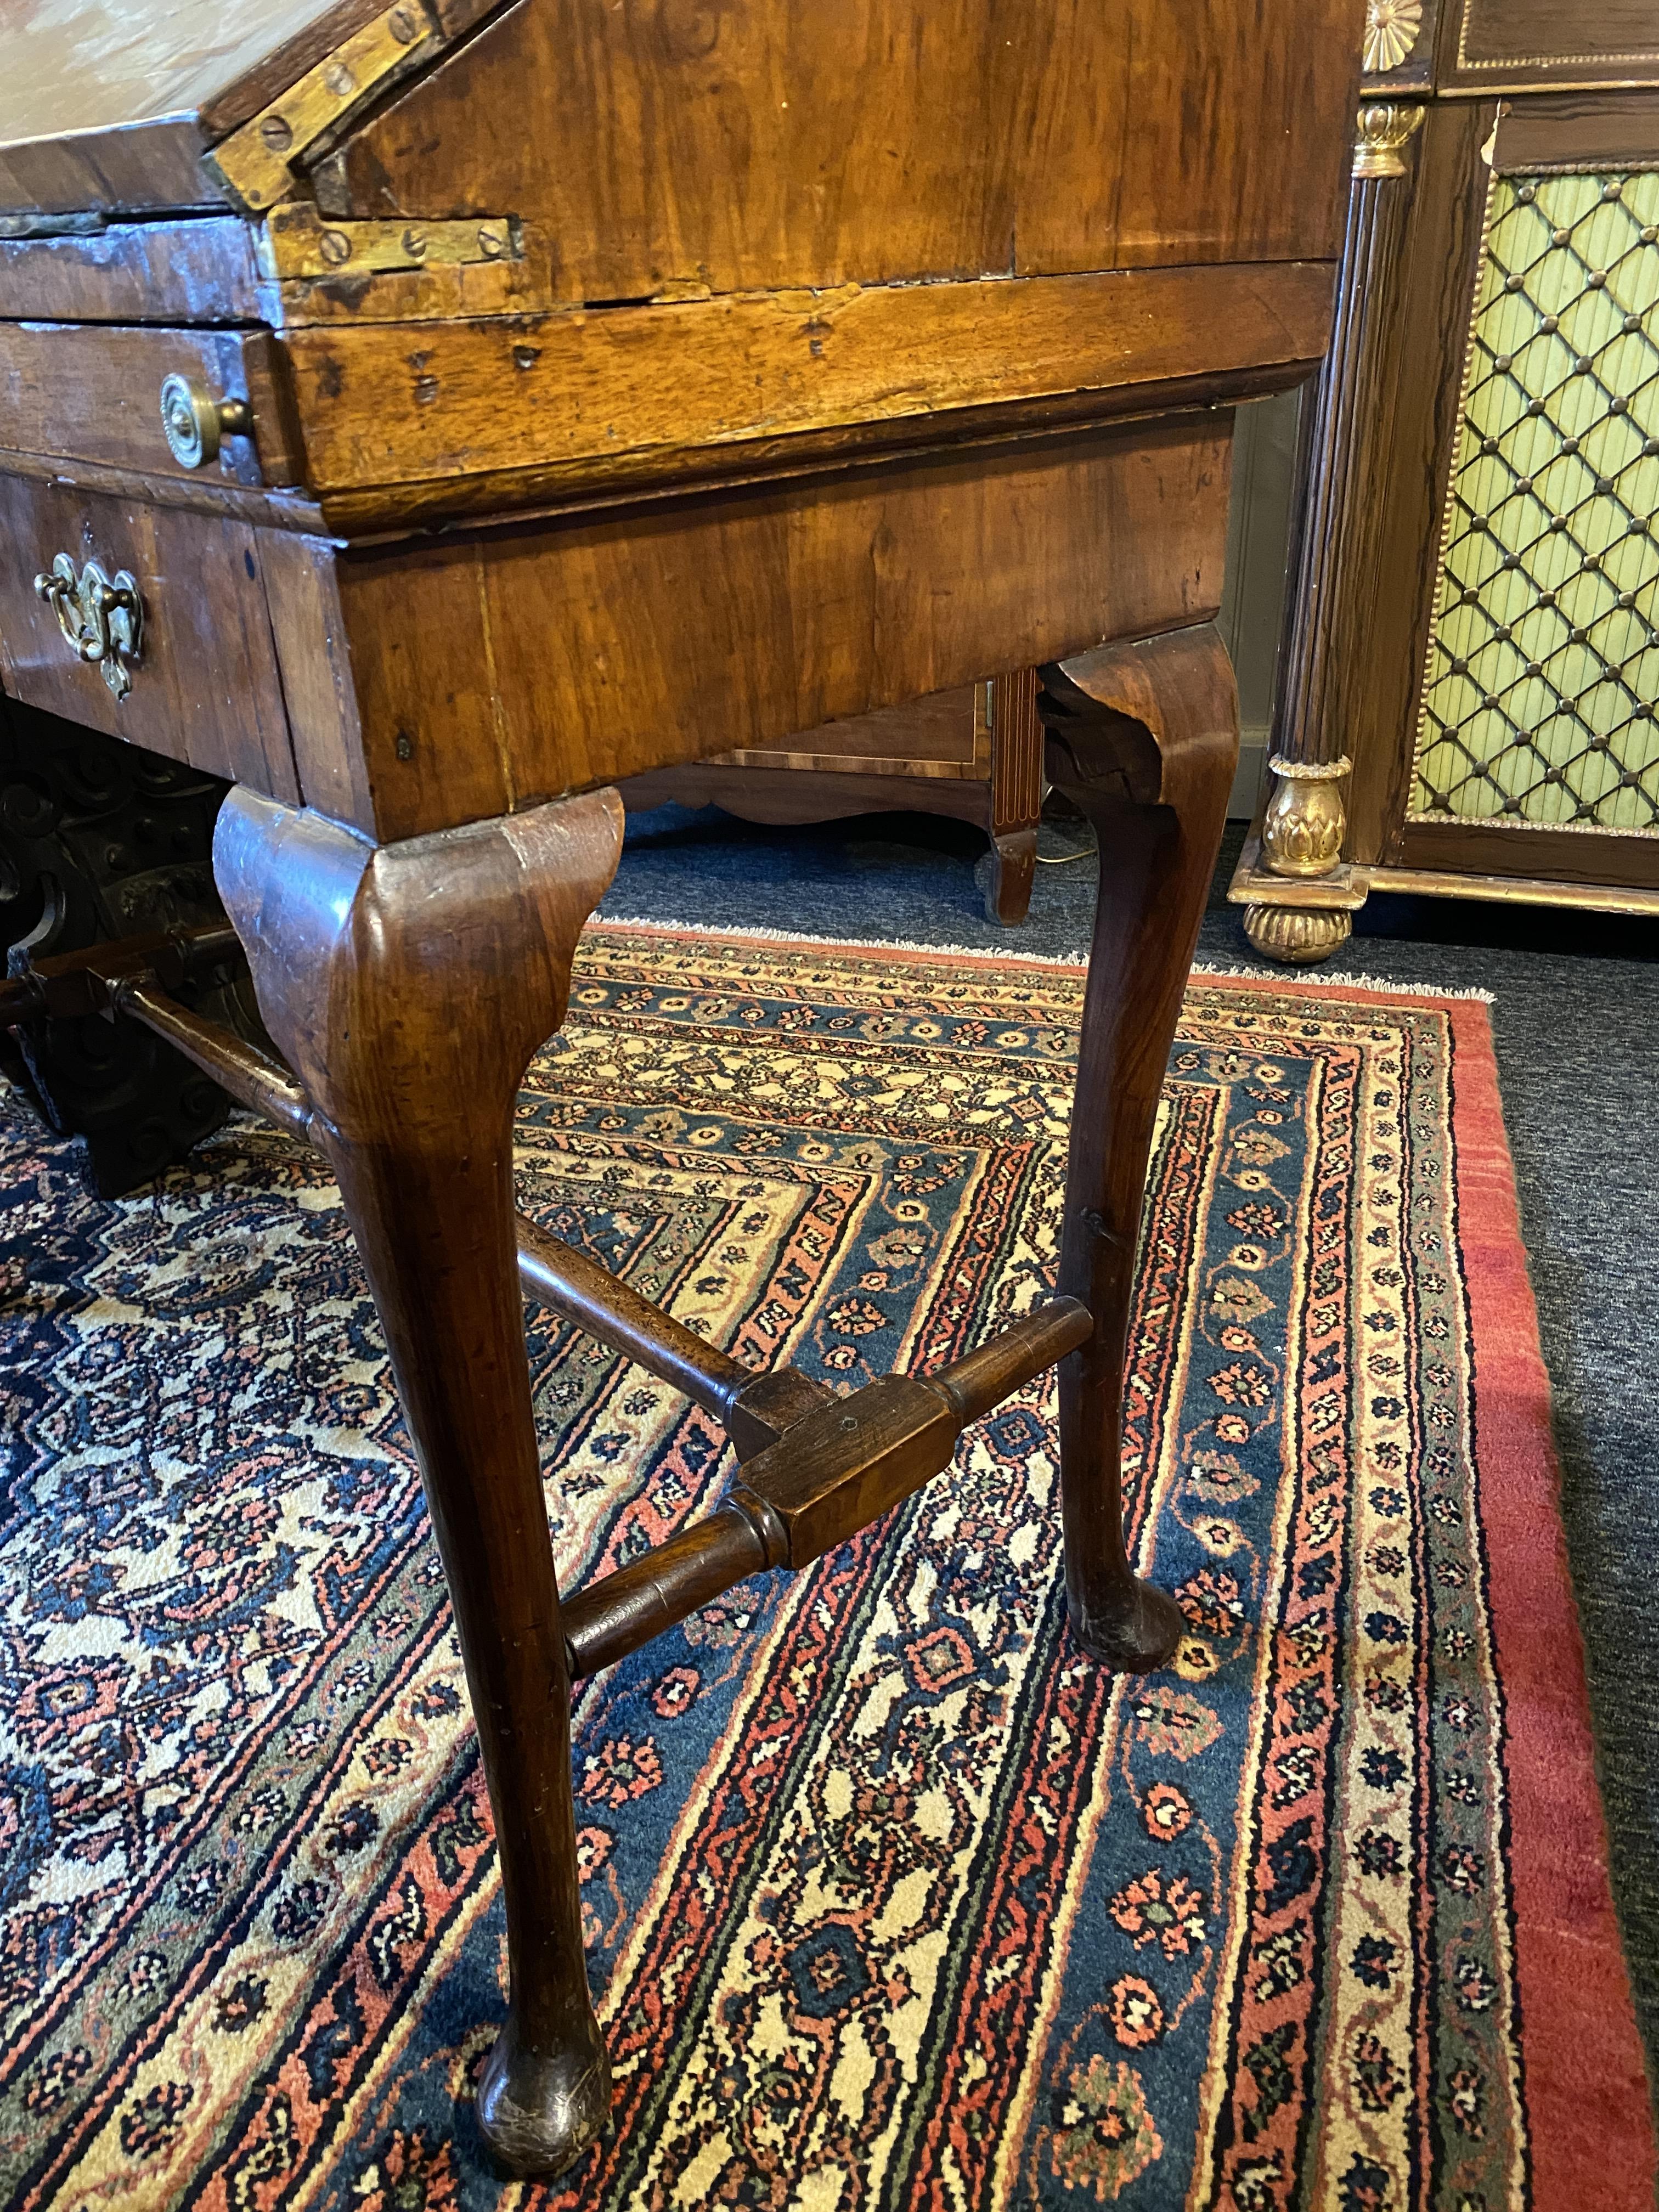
(427,417)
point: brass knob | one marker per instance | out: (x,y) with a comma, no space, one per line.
(195,421)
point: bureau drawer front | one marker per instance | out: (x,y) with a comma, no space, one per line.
(203,686)
(92,392)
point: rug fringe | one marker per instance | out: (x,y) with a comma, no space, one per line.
(1344,979)
(848,944)
(1339,979)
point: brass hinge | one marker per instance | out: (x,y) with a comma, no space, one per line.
(256,161)
(296,240)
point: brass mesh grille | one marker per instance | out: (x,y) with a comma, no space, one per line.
(1543,666)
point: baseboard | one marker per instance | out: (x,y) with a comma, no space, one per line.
(1247,779)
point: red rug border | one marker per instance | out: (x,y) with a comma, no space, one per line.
(1587,2087)
(1588,2100)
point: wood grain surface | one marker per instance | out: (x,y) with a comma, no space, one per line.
(200,493)
(1490,47)
(387,405)
(1143,737)
(1491,849)
(740,149)
(197,271)
(785,795)
(485,670)
(850,354)
(86,70)
(209,269)
(664,473)
(1611,130)
(974,753)
(114,106)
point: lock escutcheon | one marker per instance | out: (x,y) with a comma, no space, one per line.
(102,616)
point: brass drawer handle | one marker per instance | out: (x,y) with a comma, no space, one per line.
(102,616)
(195,421)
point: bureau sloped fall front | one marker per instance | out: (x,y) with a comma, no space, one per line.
(427,417)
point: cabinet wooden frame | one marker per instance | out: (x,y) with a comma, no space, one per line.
(1553,131)
(1505,46)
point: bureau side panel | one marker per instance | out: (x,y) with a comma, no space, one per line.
(496,669)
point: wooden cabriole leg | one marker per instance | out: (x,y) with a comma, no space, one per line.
(1142,737)
(408,985)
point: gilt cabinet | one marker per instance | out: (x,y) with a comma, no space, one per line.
(1469,682)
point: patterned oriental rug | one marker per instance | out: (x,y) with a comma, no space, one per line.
(892,1899)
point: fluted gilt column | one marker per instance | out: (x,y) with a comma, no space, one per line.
(1302,829)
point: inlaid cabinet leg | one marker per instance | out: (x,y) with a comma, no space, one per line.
(408,985)
(1007,870)
(1142,737)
